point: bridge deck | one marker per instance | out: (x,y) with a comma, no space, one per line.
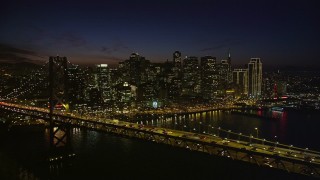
(291,159)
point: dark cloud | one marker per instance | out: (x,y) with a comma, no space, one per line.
(115,47)
(8,49)
(39,34)
(222,44)
(71,39)
(12,58)
(12,54)
(111,59)
(213,48)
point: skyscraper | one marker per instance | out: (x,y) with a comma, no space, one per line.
(191,78)
(229,67)
(254,77)
(229,57)
(240,78)
(103,80)
(209,77)
(76,84)
(225,70)
(177,65)
(137,66)
(177,59)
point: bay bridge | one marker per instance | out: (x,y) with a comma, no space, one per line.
(235,146)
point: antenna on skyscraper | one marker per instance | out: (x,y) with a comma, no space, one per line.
(229,56)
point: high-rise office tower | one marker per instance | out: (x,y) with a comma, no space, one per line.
(76,84)
(226,70)
(137,66)
(224,75)
(209,77)
(229,67)
(254,77)
(240,78)
(229,57)
(103,81)
(191,78)
(177,59)
(177,65)
(124,96)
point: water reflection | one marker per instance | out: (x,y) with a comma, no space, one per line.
(246,122)
(281,115)
(24,174)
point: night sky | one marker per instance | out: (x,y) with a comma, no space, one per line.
(280,33)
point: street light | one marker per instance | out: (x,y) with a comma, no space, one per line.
(257,130)
(239,136)
(183,127)
(228,133)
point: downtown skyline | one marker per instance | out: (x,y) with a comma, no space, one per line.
(171,89)
(282,33)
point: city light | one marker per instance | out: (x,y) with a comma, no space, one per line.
(105,97)
(136,88)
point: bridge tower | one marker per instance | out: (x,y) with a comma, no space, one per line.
(59,132)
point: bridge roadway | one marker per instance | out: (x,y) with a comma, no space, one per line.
(288,158)
(177,111)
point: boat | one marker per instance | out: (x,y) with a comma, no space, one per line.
(277,108)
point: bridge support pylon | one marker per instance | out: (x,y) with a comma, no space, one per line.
(59,131)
